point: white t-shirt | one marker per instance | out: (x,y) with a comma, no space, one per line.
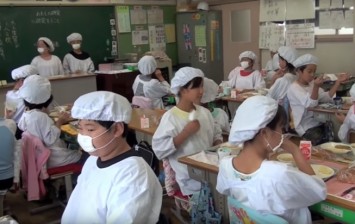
(171,124)
(275,188)
(300,100)
(41,125)
(251,81)
(47,68)
(126,191)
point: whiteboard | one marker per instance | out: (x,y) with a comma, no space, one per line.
(281,10)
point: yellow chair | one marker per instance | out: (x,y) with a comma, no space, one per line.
(239,213)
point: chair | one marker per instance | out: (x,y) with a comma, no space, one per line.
(351,136)
(34,172)
(142,102)
(239,213)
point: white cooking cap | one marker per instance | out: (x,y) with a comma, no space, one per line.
(23,72)
(102,106)
(210,90)
(73,37)
(147,65)
(183,76)
(47,41)
(35,89)
(247,54)
(306,59)
(290,54)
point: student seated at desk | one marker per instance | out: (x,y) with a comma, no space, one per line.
(305,93)
(47,64)
(187,128)
(14,106)
(245,77)
(115,185)
(348,121)
(268,186)
(150,83)
(77,61)
(210,92)
(36,93)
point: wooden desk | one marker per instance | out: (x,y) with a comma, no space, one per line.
(330,111)
(333,207)
(153,115)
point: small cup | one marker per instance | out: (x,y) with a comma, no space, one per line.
(223,152)
(227,90)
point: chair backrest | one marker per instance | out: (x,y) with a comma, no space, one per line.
(351,136)
(239,213)
(142,102)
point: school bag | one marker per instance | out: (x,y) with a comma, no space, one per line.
(145,150)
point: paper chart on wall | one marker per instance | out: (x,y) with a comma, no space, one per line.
(348,3)
(324,4)
(140,37)
(170,33)
(200,36)
(155,16)
(272,10)
(349,19)
(202,56)
(271,36)
(138,15)
(300,35)
(157,38)
(324,20)
(336,4)
(123,20)
(337,19)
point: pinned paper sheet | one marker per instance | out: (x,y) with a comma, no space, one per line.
(324,20)
(349,21)
(144,122)
(170,33)
(140,37)
(337,4)
(124,25)
(200,36)
(324,4)
(155,16)
(202,55)
(138,15)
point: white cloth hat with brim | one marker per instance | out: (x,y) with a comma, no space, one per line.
(102,106)
(23,72)
(147,65)
(48,42)
(290,54)
(306,59)
(183,76)
(73,37)
(35,89)
(247,54)
(210,90)
(252,115)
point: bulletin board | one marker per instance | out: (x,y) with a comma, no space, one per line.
(21,26)
(146,28)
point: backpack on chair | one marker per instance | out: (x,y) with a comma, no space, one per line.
(144,150)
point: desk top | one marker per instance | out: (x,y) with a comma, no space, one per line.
(154,118)
(327,110)
(213,169)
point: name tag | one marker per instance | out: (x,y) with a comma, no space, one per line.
(144,122)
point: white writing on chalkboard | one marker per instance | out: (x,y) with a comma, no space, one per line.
(8,36)
(46,17)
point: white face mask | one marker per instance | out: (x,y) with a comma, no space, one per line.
(76,46)
(85,142)
(278,146)
(40,50)
(244,64)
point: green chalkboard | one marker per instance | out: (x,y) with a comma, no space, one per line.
(20,27)
(125,39)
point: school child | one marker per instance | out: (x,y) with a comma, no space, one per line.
(306,92)
(278,91)
(14,106)
(36,93)
(77,60)
(245,77)
(268,186)
(46,63)
(187,128)
(115,185)
(348,121)
(150,83)
(210,91)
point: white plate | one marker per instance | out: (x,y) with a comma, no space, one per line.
(285,157)
(333,147)
(322,171)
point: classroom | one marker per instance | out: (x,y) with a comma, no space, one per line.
(177,111)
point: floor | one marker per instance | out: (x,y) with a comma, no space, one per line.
(20,207)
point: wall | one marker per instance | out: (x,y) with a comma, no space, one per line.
(231,50)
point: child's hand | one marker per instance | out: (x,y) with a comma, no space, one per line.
(319,81)
(342,77)
(192,127)
(63,118)
(340,117)
(289,146)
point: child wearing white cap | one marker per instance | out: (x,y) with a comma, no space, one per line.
(263,185)
(187,128)
(14,106)
(47,64)
(210,92)
(245,77)
(348,121)
(115,185)
(77,61)
(150,83)
(305,93)
(36,93)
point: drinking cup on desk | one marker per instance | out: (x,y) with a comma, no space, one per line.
(223,152)
(338,101)
(227,90)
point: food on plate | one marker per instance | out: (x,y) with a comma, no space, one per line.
(347,175)
(322,171)
(347,147)
(337,148)
(285,157)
